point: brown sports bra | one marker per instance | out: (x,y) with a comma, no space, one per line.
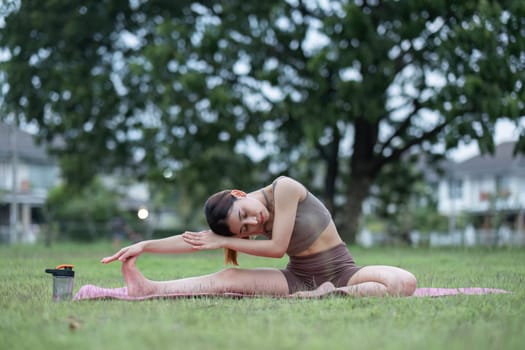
(311,220)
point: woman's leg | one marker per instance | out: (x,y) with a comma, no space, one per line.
(321,291)
(247,281)
(381,281)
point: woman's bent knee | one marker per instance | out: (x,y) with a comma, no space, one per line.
(403,284)
(408,284)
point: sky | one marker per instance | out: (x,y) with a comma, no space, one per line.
(505,131)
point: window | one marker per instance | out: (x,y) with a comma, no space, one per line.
(42,176)
(502,186)
(455,188)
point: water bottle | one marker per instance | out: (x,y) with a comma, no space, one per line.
(63,277)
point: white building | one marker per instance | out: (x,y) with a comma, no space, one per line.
(489,187)
(27,173)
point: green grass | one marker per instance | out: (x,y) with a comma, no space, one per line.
(30,320)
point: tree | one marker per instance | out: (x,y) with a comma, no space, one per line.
(407,200)
(67,210)
(185,86)
(402,77)
(73,72)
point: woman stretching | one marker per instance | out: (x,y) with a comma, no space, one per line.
(295,223)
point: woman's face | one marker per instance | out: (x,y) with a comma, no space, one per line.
(247,217)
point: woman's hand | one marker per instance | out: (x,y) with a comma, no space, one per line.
(125,253)
(203,240)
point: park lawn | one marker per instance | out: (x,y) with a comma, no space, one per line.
(30,320)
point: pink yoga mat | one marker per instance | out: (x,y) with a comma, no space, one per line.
(89,291)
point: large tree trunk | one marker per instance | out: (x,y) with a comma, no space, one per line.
(364,169)
(356,195)
(331,156)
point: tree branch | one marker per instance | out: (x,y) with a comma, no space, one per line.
(404,126)
(382,160)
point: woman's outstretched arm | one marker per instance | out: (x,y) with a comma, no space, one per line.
(207,240)
(169,245)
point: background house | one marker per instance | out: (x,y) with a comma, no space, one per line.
(491,190)
(27,172)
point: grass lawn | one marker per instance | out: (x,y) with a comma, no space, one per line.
(30,320)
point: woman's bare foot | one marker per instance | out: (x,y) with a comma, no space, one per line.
(137,284)
(364,289)
(324,289)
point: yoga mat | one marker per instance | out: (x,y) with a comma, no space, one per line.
(91,292)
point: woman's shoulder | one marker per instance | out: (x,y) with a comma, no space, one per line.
(288,184)
(287,180)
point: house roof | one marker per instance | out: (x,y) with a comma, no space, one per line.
(27,148)
(501,162)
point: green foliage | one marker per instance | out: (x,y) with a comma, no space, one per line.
(155,85)
(82,214)
(407,200)
(428,219)
(399,225)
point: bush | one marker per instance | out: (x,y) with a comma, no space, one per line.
(82,214)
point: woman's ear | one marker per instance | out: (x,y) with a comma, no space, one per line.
(238,193)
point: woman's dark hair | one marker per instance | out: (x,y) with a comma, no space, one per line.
(216,210)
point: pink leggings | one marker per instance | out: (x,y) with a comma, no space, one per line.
(309,272)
